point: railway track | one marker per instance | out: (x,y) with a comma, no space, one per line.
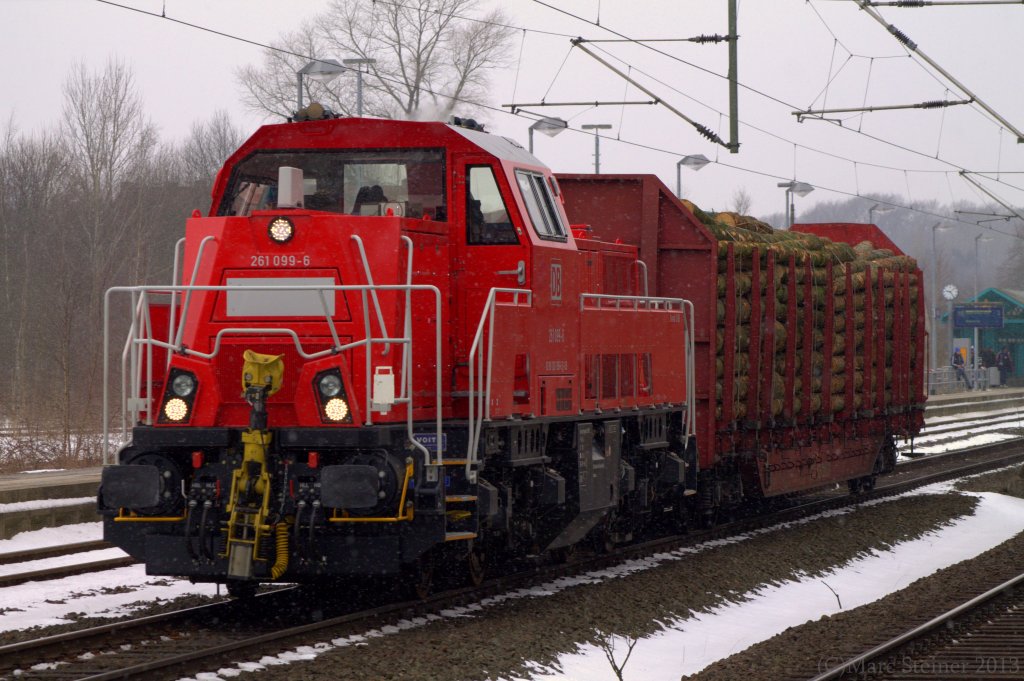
(14,558)
(1010,418)
(981,639)
(183,642)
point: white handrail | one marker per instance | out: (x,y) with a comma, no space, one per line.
(407,322)
(691,380)
(480,400)
(188,292)
(178,248)
(643,266)
(140,334)
(373,294)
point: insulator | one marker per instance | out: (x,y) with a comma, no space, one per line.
(935,104)
(707,132)
(709,39)
(902,37)
(912,3)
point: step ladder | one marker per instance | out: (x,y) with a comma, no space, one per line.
(462,518)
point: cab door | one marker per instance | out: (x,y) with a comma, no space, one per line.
(489,248)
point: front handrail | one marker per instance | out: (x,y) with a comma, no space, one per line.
(141,337)
(373,294)
(479,399)
(188,294)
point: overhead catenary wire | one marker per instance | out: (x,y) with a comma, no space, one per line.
(639,145)
(913,48)
(756,91)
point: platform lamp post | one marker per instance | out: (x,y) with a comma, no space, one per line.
(694,162)
(550,126)
(597,128)
(977,292)
(793,187)
(937,227)
(358,64)
(878,208)
(320,70)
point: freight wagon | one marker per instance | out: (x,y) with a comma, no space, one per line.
(809,343)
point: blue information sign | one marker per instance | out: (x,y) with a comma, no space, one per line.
(978,315)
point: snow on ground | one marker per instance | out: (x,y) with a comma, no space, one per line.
(60,561)
(52,536)
(109,593)
(969,434)
(956,442)
(45,503)
(690,645)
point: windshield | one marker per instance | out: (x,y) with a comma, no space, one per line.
(406,182)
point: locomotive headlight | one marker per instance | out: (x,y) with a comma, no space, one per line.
(183,385)
(336,409)
(281,230)
(175,409)
(330,385)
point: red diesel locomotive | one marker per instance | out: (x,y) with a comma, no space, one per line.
(386,347)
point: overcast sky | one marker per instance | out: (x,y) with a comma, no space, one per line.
(787,50)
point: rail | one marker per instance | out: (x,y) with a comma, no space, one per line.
(141,339)
(479,380)
(855,664)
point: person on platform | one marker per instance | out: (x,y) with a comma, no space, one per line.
(958,364)
(1004,361)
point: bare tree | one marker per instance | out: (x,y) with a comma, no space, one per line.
(207,147)
(741,201)
(111,143)
(607,645)
(429,57)
(33,172)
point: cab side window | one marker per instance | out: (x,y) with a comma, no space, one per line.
(487,220)
(540,205)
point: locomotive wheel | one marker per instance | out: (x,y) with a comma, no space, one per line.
(243,591)
(564,554)
(418,578)
(475,565)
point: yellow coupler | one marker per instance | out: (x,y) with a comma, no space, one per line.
(249,502)
(248,505)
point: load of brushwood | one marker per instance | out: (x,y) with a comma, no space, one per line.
(749,236)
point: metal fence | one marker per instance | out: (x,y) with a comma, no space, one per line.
(945,380)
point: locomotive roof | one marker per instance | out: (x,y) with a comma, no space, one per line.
(374,133)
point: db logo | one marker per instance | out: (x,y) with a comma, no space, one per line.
(556,282)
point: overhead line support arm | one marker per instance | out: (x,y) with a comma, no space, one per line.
(912,46)
(703,130)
